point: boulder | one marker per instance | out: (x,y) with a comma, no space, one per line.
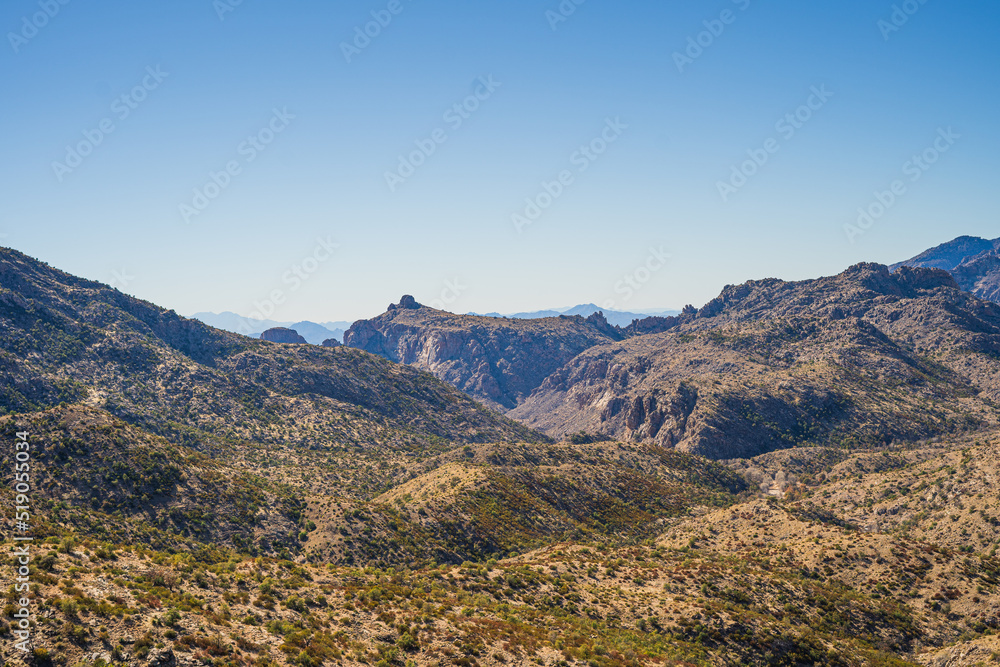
(407,302)
(283,335)
(162,658)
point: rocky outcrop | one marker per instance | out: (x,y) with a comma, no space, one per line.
(162,658)
(973,262)
(650,325)
(331,342)
(283,335)
(980,275)
(405,303)
(767,365)
(496,360)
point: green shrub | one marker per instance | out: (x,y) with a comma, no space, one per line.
(408,643)
(170,618)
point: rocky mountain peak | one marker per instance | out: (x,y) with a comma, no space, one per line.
(600,322)
(406,302)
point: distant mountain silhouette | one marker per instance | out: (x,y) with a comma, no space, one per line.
(974,263)
(317,333)
(313,333)
(620,318)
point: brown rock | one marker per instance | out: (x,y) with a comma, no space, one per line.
(162,658)
(283,335)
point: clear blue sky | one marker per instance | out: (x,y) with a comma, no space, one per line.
(116,215)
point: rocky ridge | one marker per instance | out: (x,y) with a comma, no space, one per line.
(974,262)
(864,358)
(497,361)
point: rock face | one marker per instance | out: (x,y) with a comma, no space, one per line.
(495,360)
(973,262)
(331,342)
(283,335)
(863,358)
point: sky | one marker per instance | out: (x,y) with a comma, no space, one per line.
(317,160)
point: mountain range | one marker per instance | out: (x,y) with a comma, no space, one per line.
(317,333)
(766,365)
(862,358)
(128,367)
(313,333)
(619,318)
(796,473)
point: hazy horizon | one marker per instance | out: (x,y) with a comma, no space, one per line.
(253,317)
(207,156)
